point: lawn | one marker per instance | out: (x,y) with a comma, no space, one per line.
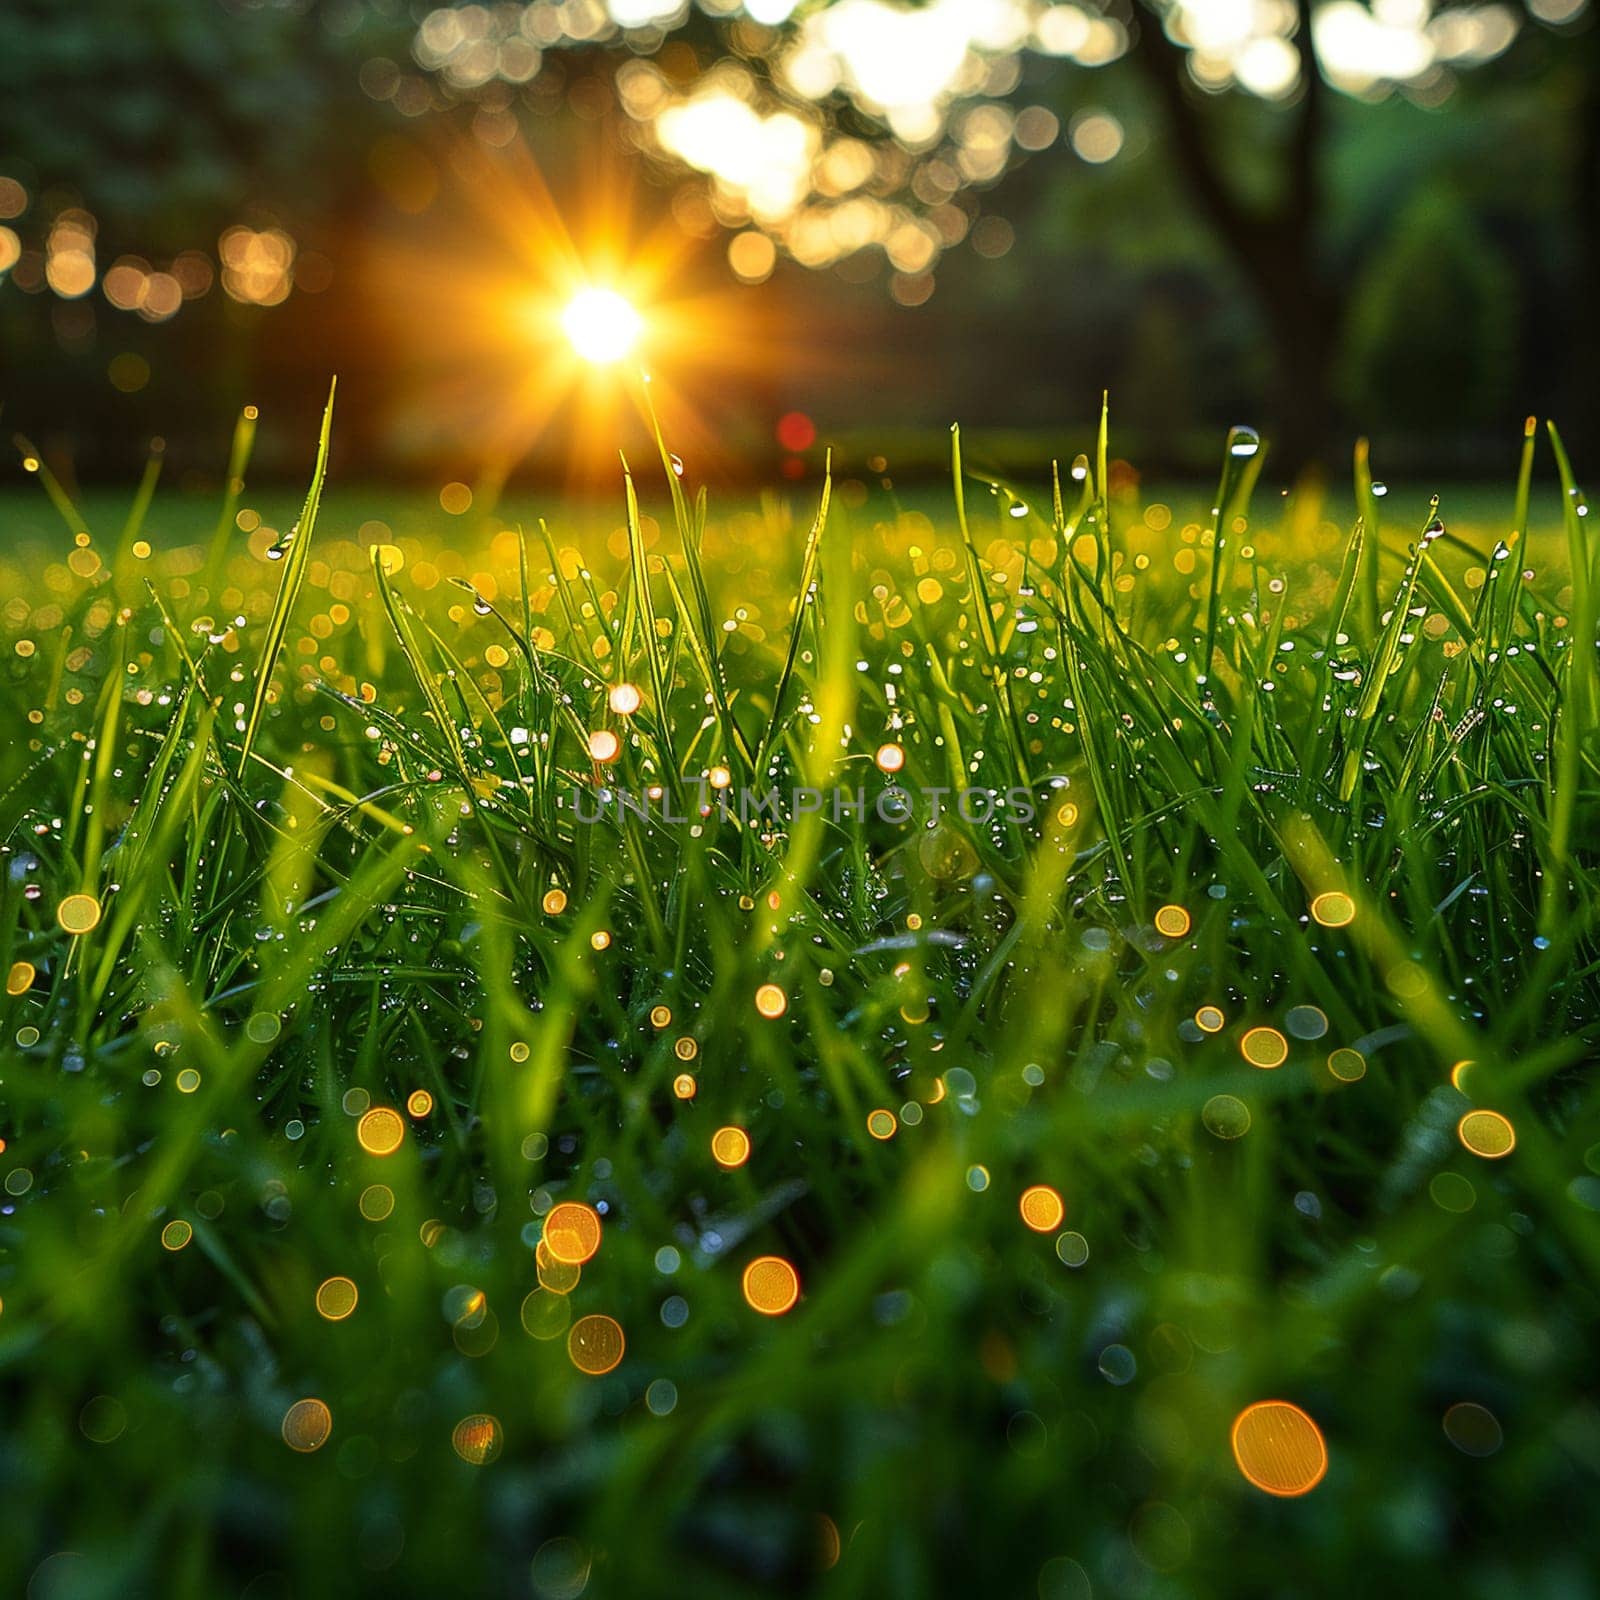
(416,1182)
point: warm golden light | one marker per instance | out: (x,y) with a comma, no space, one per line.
(336,1298)
(1042,1208)
(771,1286)
(380,1131)
(602,326)
(596,1344)
(306,1425)
(1279,1448)
(477,1439)
(572,1232)
(730,1147)
(1487,1134)
(1264,1047)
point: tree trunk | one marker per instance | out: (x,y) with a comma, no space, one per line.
(1275,251)
(1303,319)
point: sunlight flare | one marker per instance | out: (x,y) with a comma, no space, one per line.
(601,325)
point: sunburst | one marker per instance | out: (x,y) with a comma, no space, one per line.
(554,333)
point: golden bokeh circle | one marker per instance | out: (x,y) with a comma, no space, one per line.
(306,1425)
(1347,1065)
(572,1232)
(336,1298)
(176,1234)
(477,1439)
(1042,1208)
(771,1001)
(771,1286)
(380,1131)
(1279,1449)
(1487,1134)
(596,1344)
(881,1124)
(730,1147)
(79,913)
(1264,1047)
(376,1202)
(20,978)
(1333,909)
(1173,922)
(1210,1019)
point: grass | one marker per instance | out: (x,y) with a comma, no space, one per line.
(322,809)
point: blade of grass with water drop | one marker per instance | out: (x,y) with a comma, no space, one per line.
(1573,733)
(559,581)
(700,628)
(411,648)
(53,487)
(1010,726)
(140,509)
(1085,717)
(1316,764)
(151,832)
(803,608)
(640,561)
(1243,446)
(1382,665)
(109,716)
(1372,552)
(244,436)
(294,570)
(1519,531)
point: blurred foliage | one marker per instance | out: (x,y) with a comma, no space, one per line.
(1433,325)
(171,119)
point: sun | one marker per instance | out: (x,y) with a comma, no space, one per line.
(602,326)
(538,328)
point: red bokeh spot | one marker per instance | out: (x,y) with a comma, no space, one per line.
(796,431)
(793,467)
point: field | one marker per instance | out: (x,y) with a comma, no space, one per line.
(1211,1019)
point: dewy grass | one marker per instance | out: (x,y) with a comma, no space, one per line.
(1210,1020)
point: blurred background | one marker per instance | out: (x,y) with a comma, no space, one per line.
(845,223)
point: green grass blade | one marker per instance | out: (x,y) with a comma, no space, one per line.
(294,571)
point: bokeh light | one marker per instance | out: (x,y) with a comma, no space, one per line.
(1279,1448)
